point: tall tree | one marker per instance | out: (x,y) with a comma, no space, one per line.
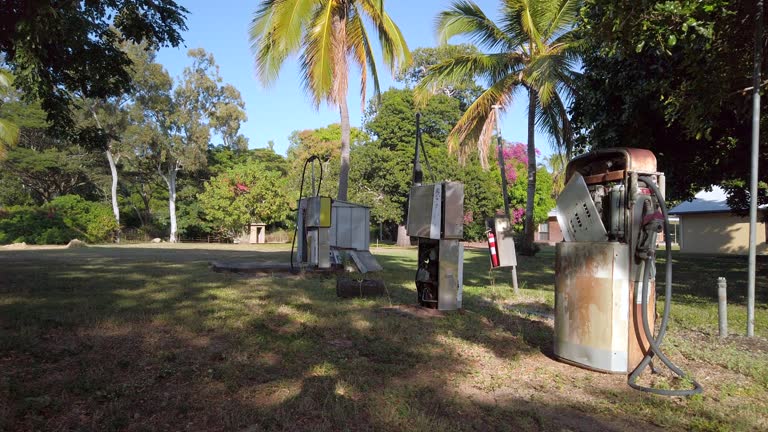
(675,77)
(329,34)
(110,120)
(56,49)
(49,168)
(324,143)
(228,115)
(532,48)
(103,121)
(173,126)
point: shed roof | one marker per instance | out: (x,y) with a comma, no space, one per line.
(713,201)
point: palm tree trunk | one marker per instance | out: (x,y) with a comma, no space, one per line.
(529,204)
(345,139)
(340,85)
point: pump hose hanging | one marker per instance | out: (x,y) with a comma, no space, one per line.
(301,195)
(655,343)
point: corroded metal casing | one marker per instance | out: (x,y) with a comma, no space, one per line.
(592,304)
(598,321)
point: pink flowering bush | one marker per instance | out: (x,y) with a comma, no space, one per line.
(517,216)
(516,160)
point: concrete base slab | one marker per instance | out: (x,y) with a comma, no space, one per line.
(252,267)
(265,268)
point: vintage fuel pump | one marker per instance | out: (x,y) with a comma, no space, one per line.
(436,218)
(313,223)
(329,231)
(610,213)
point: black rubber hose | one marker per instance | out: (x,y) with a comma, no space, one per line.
(301,194)
(655,343)
(420,143)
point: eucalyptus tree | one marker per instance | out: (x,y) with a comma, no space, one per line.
(172,126)
(103,121)
(533,48)
(329,34)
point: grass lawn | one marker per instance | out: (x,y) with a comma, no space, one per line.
(146,337)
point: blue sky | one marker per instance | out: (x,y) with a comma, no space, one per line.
(221,28)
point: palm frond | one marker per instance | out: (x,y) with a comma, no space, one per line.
(394,48)
(276,32)
(317,59)
(467,19)
(511,23)
(544,73)
(476,125)
(6,79)
(562,18)
(359,45)
(9,134)
(553,120)
(457,70)
(9,131)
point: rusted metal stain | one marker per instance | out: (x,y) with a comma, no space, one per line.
(592,304)
(638,343)
(641,160)
(609,160)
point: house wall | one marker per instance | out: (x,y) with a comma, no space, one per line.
(720,233)
(555,235)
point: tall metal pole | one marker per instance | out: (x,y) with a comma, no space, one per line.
(502,164)
(753,175)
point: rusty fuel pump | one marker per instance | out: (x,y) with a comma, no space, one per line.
(436,218)
(611,212)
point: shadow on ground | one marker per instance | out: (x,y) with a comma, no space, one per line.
(150,339)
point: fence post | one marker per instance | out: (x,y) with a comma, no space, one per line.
(722,306)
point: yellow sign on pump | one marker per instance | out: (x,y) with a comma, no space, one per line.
(318,212)
(325,212)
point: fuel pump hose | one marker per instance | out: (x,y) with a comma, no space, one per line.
(655,342)
(310,159)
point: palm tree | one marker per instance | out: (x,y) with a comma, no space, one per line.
(533,48)
(328,34)
(9,131)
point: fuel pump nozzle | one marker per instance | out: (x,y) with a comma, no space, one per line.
(652,226)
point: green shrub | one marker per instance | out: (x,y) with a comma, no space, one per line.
(475,230)
(94,221)
(63,219)
(25,224)
(55,235)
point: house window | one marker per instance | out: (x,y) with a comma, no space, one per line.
(544,232)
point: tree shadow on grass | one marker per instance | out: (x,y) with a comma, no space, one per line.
(117,341)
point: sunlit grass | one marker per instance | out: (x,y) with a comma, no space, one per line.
(89,338)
